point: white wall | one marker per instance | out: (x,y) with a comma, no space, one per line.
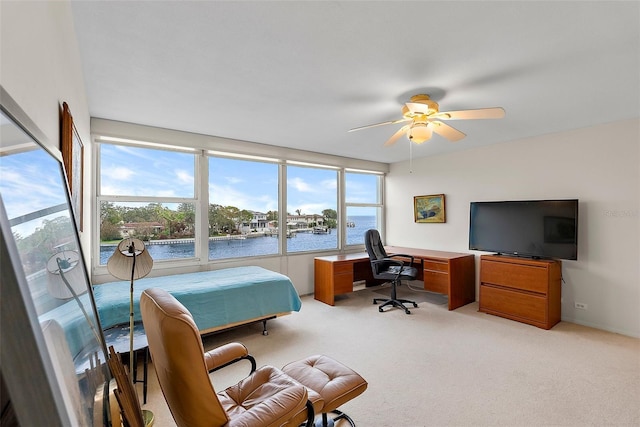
(41,69)
(598,165)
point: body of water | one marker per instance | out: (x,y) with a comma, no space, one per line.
(222,249)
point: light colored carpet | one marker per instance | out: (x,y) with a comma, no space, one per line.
(436,367)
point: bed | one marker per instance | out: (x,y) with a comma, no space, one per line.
(218,299)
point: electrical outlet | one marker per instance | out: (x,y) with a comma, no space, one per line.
(581,305)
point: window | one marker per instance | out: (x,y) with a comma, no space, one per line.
(149,194)
(243,208)
(363,202)
(211,205)
(312,214)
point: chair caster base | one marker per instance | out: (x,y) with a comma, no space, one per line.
(320,423)
(399,303)
(325,421)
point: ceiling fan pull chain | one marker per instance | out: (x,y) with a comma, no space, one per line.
(410,157)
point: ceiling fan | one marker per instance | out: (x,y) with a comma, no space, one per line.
(426,118)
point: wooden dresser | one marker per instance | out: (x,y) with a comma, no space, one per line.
(521,289)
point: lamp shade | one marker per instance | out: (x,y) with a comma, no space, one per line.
(121,263)
(61,267)
(420,132)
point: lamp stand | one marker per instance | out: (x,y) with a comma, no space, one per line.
(130,261)
(133,269)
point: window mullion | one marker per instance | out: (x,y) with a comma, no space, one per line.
(282,209)
(202,207)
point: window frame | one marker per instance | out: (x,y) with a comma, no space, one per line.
(340,226)
(208,155)
(378,205)
(195,200)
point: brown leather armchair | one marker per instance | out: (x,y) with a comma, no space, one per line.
(267,397)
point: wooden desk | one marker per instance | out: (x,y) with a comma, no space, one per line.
(447,273)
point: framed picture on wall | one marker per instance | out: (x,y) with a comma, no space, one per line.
(429,208)
(73,158)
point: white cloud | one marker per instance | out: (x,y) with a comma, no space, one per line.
(329,184)
(300,185)
(229,196)
(233,179)
(184,176)
(119,173)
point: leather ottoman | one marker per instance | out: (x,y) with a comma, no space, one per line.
(333,381)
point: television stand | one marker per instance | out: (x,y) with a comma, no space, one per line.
(521,289)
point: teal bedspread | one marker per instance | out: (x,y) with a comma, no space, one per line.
(214,298)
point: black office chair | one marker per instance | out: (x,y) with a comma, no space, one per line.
(388,269)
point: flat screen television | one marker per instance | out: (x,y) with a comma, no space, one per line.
(527,228)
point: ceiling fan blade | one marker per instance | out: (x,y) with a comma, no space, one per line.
(481,113)
(379,124)
(447,131)
(397,135)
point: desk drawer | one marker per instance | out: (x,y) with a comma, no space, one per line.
(343,278)
(343,284)
(342,268)
(435,265)
(436,281)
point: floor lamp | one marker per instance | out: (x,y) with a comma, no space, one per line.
(130,261)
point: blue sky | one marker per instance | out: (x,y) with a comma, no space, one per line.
(244,184)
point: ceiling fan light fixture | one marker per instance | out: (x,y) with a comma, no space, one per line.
(419,105)
(425,118)
(419,133)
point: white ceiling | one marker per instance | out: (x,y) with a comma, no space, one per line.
(300,74)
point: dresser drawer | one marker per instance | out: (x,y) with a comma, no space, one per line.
(436,281)
(522,277)
(521,306)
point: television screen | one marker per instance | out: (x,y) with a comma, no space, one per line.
(530,228)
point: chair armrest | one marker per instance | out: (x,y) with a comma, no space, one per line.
(387,261)
(404,256)
(227,354)
(392,262)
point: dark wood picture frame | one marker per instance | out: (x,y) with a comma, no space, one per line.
(429,208)
(73,160)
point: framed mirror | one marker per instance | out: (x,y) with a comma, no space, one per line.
(53,359)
